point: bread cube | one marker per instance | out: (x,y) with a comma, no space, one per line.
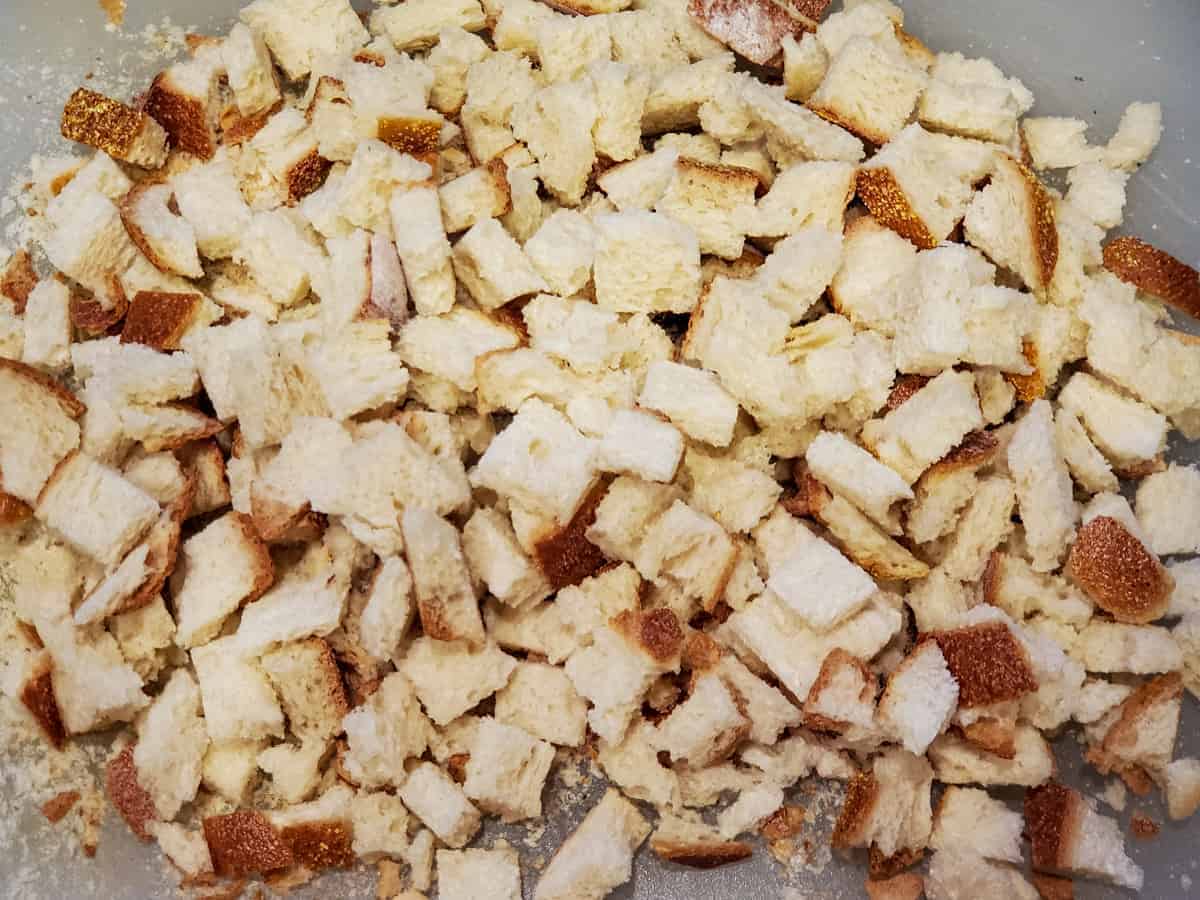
(1136,137)
(633,765)
(384,732)
(481,193)
(110,126)
(857,475)
(972,98)
(507,770)
(738,496)
(416,25)
(818,584)
(301,32)
(250,70)
(1128,432)
(449,346)
(876,262)
(692,399)
(956,761)
(493,267)
(556,123)
(706,728)
(496,559)
(446,600)
(756,30)
(1044,490)
(171,744)
(540,700)
(626,513)
(598,856)
(869,89)
(1183,788)
(89,242)
(920,698)
(710,200)
(185,100)
(471,874)
(1168,504)
(440,804)
(451,678)
(888,808)
(1056,142)
(640,182)
(970,820)
(239,704)
(1069,836)
(638,443)
(306,678)
(47,331)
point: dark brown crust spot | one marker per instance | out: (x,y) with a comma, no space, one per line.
(785,822)
(1050,814)
(101,122)
(879,190)
(1118,573)
(862,792)
(456,767)
(904,388)
(243,843)
(37,696)
(18,280)
(159,319)
(127,795)
(1032,386)
(988,663)
(184,118)
(240,129)
(321,845)
(656,632)
(1155,272)
(13,510)
(566,557)
(1051,888)
(700,652)
(1143,827)
(59,805)
(881,868)
(702,855)
(66,400)
(306,175)
(1136,471)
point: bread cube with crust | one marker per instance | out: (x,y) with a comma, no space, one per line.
(687,555)
(1070,837)
(420,236)
(913,436)
(439,803)
(221,567)
(769,711)
(493,267)
(641,181)
(239,703)
(497,559)
(305,676)
(738,496)
(692,399)
(1012,221)
(756,30)
(796,274)
(1010,583)
(970,820)
(1126,431)
(889,807)
(450,677)
(384,732)
(870,88)
(957,761)
(706,727)
(356,369)
(416,25)
(854,473)
(114,128)
(861,539)
(805,63)
(1140,733)
(920,698)
(507,770)
(449,346)
(1086,463)
(481,193)
(598,856)
(842,699)
(640,444)
(710,200)
(210,201)
(626,513)
(301,32)
(921,183)
(377,172)
(470,874)
(973,98)
(185,99)
(876,262)
(446,600)
(89,242)
(646,262)
(804,195)
(1168,509)
(171,744)
(540,699)
(556,124)
(389,609)
(1137,135)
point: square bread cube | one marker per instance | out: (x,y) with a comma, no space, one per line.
(507,770)
(639,443)
(239,702)
(692,399)
(870,88)
(440,803)
(598,856)
(818,584)
(451,678)
(475,874)
(646,262)
(301,32)
(493,267)
(540,700)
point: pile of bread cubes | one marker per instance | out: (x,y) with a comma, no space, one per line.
(398,407)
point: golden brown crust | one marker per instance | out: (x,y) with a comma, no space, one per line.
(418,136)
(89,315)
(754,29)
(243,843)
(565,555)
(904,388)
(184,118)
(700,652)
(331,676)
(879,190)
(995,736)
(702,855)
(1154,272)
(1043,228)
(881,868)
(127,795)
(977,450)
(37,696)
(18,280)
(718,172)
(456,767)
(1051,822)
(370,56)
(655,632)
(1051,888)
(320,845)
(238,129)
(159,319)
(1032,386)
(101,122)
(1118,573)
(306,175)
(862,793)
(59,805)
(204,461)
(785,822)
(65,399)
(829,114)
(13,510)
(988,662)
(497,171)
(836,660)
(907,886)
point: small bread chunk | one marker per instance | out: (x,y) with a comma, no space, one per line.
(646,262)
(1143,730)
(451,678)
(121,131)
(222,567)
(625,657)
(805,195)
(935,419)
(861,539)
(1043,486)
(185,100)
(47,331)
(854,473)
(1098,192)
(301,32)
(1115,647)
(796,274)
(870,89)
(171,744)
(89,242)
(692,399)
(540,700)
(416,25)
(842,699)
(920,183)
(769,711)
(694,844)
(818,584)
(474,874)
(972,98)
(920,698)
(1128,432)
(39,431)
(598,856)
(959,875)
(495,557)
(1057,142)
(687,555)
(439,803)
(250,71)
(1118,573)
(957,761)
(385,732)
(640,182)
(306,678)
(420,236)
(1183,788)
(245,842)
(562,250)
(635,767)
(626,513)
(1011,584)
(1087,464)
(795,133)
(710,199)
(493,267)
(446,600)
(888,807)
(735,494)
(638,443)
(988,662)
(1137,135)
(187,850)
(449,346)
(556,123)
(621,92)
(481,193)
(389,609)
(1012,221)
(1068,836)
(756,29)
(705,728)
(239,704)
(507,771)
(752,807)
(1154,272)
(209,200)
(969,820)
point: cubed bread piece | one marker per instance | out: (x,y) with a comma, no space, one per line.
(641,39)
(221,567)
(145,637)
(1044,491)
(185,100)
(540,629)
(1086,463)
(357,370)
(737,495)
(621,92)
(804,195)
(306,678)
(384,732)
(301,32)
(1128,432)
(688,556)
(920,698)
(280,254)
(875,264)
(641,181)
(588,338)
(957,761)
(507,770)
(295,769)
(567,45)
(705,728)
(250,71)
(496,558)
(1056,142)
(888,807)
(756,29)
(794,277)
(750,810)
(456,51)
(171,744)
(449,346)
(969,819)
(482,193)
(805,63)
(474,874)
(420,237)
(1011,584)
(1012,221)
(231,768)
(819,585)
(639,443)
(1136,137)
(1168,508)
(1118,572)
(187,850)
(870,88)
(416,25)
(646,262)
(47,327)
(121,131)
(446,600)
(988,662)
(541,701)
(493,267)
(921,183)
(842,699)
(626,514)
(451,678)
(1070,837)
(692,399)
(1183,787)
(562,250)
(556,123)
(380,826)
(437,801)
(912,437)
(389,609)
(1098,192)
(593,602)
(89,241)
(769,710)
(972,98)
(959,875)
(239,703)
(598,856)
(711,201)
(857,475)
(1143,729)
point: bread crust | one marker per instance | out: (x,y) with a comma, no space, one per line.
(1112,751)
(1051,888)
(1154,272)
(988,662)
(1032,386)
(101,122)
(565,555)
(655,632)
(907,886)
(1043,227)
(836,659)
(701,855)
(1051,824)
(89,315)
(305,175)
(37,696)
(879,190)
(417,136)
(243,843)
(886,869)
(184,118)
(159,319)
(904,388)
(326,844)
(862,793)
(1118,573)
(127,795)
(18,280)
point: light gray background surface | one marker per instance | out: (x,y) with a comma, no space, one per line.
(1087,58)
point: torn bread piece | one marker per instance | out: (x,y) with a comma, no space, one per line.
(1119,573)
(239,703)
(1126,431)
(1045,494)
(121,131)
(1154,272)
(858,476)
(598,856)
(383,733)
(301,32)
(706,727)
(842,699)
(970,820)
(694,844)
(1138,133)
(446,601)
(1143,730)
(470,874)
(250,71)
(1057,142)
(450,677)
(185,99)
(973,98)
(306,678)
(957,761)
(435,799)
(1167,508)
(888,808)
(920,698)
(507,771)
(1069,836)
(646,262)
